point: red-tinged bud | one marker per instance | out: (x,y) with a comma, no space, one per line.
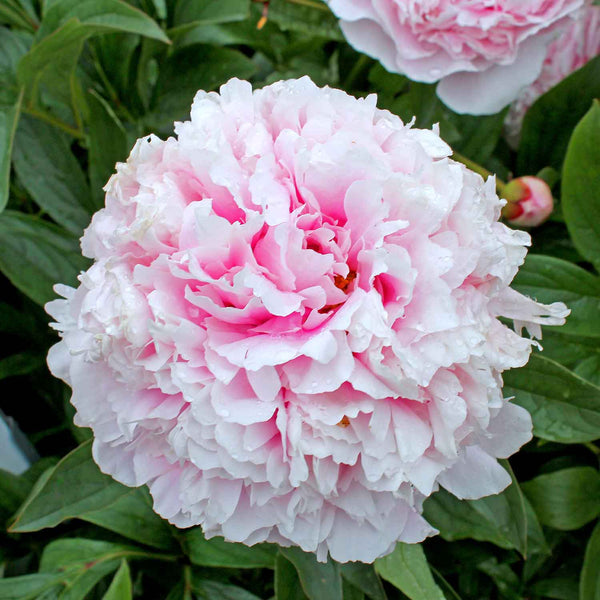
(529,201)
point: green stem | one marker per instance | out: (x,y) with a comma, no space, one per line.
(74,92)
(310,3)
(25,20)
(149,555)
(109,87)
(36,437)
(356,70)
(593,448)
(479,169)
(187,582)
(72,131)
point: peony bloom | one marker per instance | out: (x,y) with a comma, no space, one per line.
(529,201)
(574,48)
(290,331)
(482,52)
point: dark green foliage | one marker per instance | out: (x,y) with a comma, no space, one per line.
(80,81)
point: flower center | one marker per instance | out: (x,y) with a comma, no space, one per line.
(343,283)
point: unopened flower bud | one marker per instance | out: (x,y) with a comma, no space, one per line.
(529,201)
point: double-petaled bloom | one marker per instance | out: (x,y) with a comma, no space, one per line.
(482,52)
(291,328)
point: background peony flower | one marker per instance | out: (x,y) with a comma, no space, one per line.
(483,53)
(578,44)
(290,331)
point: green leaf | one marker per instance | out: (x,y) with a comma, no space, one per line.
(319,580)
(131,515)
(160,8)
(557,588)
(100,16)
(29,6)
(214,590)
(364,578)
(568,350)
(536,541)
(13,45)
(478,135)
(287,582)
(503,576)
(20,364)
(406,568)
(9,117)
(550,120)
(351,592)
(107,144)
(589,583)
(147,73)
(72,488)
(499,519)
(83,563)
(216,552)
(12,14)
(50,63)
(14,322)
(35,255)
(315,20)
(120,587)
(68,552)
(564,407)
(581,185)
(449,592)
(82,581)
(549,279)
(13,490)
(116,55)
(27,587)
(565,499)
(268,40)
(191,12)
(194,68)
(48,170)
(181,591)
(589,368)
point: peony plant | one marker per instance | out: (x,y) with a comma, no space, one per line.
(301,325)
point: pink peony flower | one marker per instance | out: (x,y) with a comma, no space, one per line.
(529,201)
(578,44)
(290,331)
(482,52)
